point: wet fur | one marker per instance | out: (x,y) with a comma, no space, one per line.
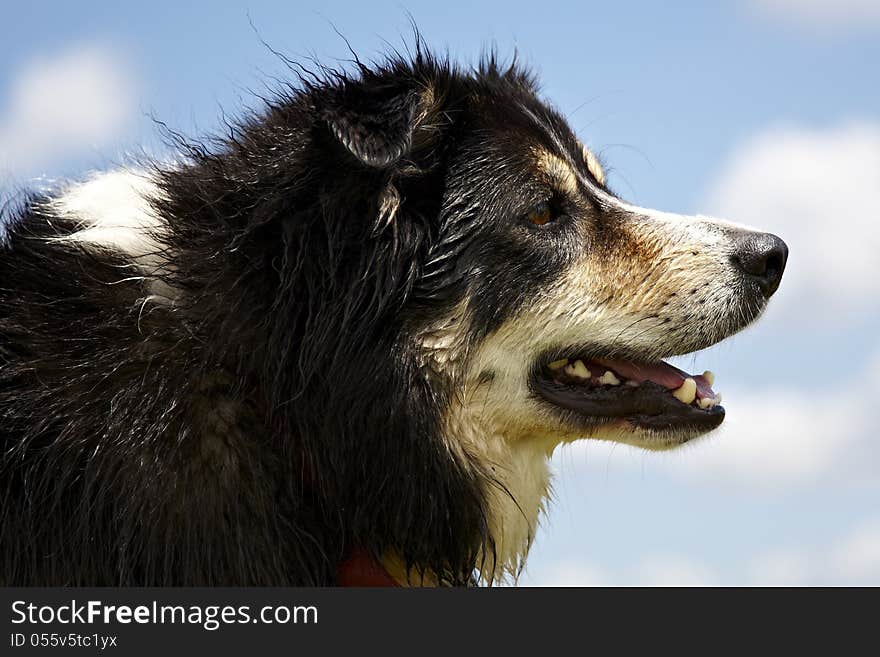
(118,467)
(311,336)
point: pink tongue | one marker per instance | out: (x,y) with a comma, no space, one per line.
(662,373)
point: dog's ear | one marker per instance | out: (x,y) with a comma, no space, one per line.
(375,121)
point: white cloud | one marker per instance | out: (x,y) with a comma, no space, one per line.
(655,570)
(781,567)
(59,106)
(852,559)
(856,559)
(820,192)
(821,15)
(671,570)
(566,572)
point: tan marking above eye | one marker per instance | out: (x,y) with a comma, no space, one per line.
(593,164)
(559,171)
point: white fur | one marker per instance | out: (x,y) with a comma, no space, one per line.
(114,212)
(520,480)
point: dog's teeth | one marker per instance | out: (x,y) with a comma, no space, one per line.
(608,379)
(709,402)
(710,377)
(687,392)
(558,364)
(632,384)
(578,370)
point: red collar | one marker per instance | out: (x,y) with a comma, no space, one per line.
(360,569)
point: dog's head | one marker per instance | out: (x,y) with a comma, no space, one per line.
(538,285)
(460,292)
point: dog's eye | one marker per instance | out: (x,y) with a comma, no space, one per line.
(541,214)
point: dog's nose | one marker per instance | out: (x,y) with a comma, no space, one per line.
(761,257)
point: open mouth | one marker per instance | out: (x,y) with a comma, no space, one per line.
(649,395)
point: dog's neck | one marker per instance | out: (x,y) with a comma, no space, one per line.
(478,429)
(515,496)
(519,483)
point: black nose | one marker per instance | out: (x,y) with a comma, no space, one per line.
(761,257)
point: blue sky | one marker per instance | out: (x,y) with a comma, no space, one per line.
(764,111)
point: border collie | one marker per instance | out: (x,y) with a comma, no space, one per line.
(339,344)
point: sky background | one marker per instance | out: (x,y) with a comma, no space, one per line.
(765,112)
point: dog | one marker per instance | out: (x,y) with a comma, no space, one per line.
(338,345)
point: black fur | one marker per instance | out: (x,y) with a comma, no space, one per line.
(277,416)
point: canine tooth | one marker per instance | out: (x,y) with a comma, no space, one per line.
(687,392)
(578,370)
(558,364)
(632,384)
(717,399)
(710,377)
(609,379)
